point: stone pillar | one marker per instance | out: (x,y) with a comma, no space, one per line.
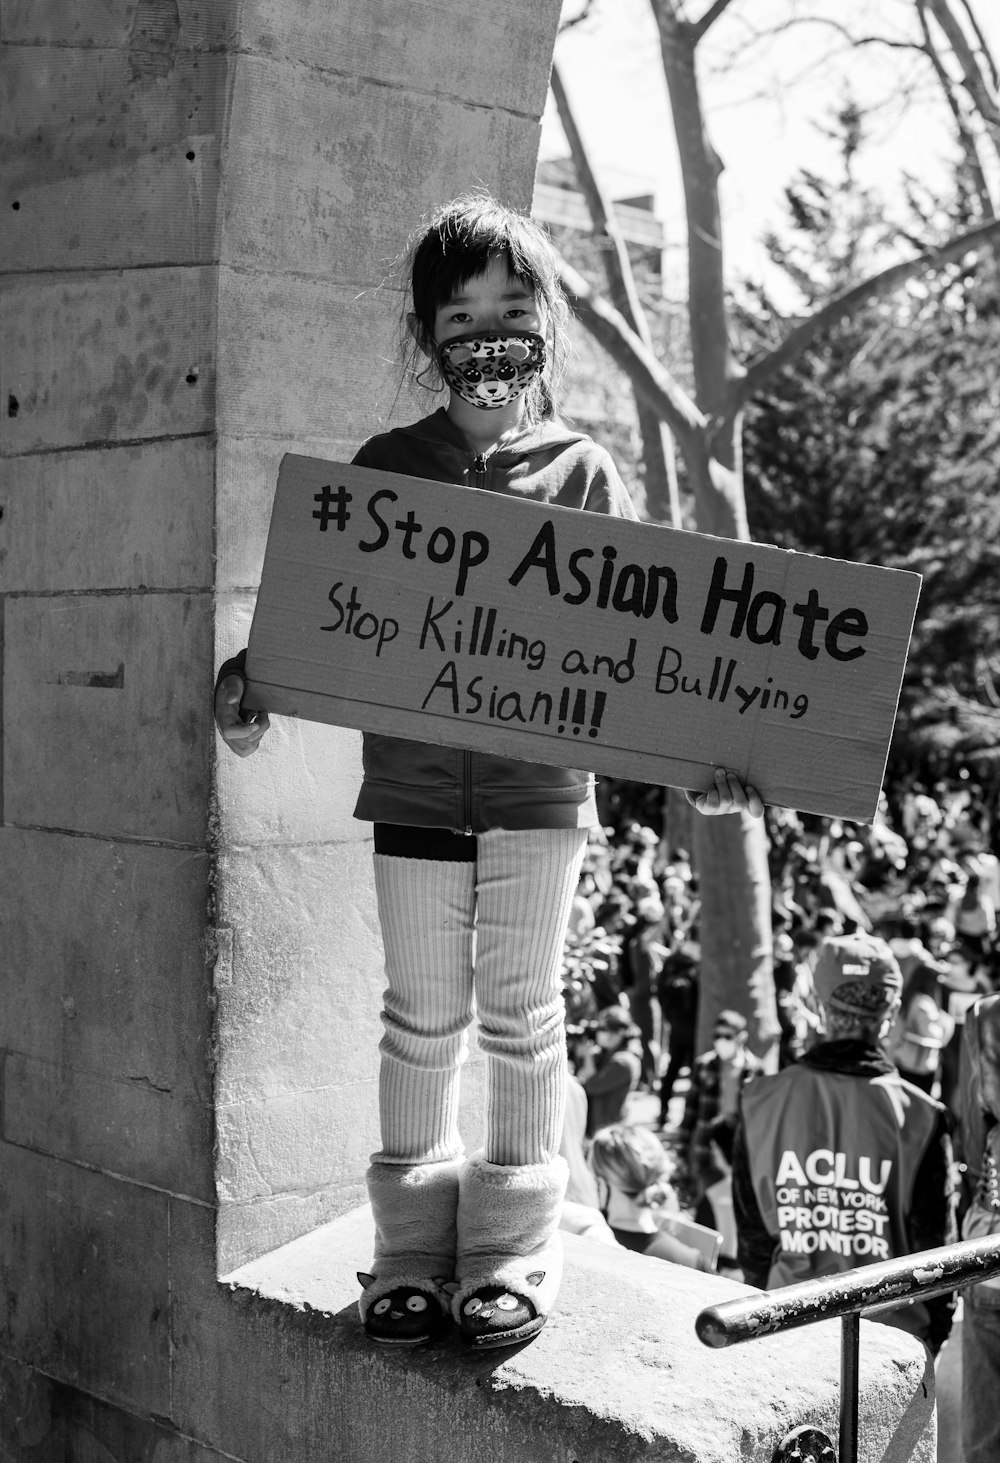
(201,206)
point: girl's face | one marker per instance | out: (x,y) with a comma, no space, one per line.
(494,301)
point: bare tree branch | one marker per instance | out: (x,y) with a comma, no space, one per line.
(717,8)
(966,139)
(987,54)
(662,491)
(983,95)
(844,304)
(758,41)
(649,376)
(618,268)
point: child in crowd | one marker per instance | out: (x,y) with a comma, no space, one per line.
(635,1170)
(476,856)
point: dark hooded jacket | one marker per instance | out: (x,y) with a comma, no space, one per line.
(435,786)
(431,786)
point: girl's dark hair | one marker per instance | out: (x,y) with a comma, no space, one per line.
(456,245)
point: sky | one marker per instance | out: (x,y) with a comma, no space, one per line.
(766,109)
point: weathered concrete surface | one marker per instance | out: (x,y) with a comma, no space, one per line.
(105,1009)
(43,1420)
(87,676)
(296,1116)
(88,1280)
(89,359)
(108,519)
(120,169)
(484,62)
(618,1372)
(280,211)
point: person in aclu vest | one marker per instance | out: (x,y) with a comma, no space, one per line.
(837,1161)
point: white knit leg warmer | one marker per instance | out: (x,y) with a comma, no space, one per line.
(426,910)
(525,886)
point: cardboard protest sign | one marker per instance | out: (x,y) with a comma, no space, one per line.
(442,614)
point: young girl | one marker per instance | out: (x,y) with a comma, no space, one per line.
(476,856)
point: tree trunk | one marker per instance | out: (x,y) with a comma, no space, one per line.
(663,503)
(730,853)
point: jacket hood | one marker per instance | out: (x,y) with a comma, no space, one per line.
(539,436)
(852,1057)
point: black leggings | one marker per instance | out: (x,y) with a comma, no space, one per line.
(443,845)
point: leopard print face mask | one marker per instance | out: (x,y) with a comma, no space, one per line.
(492,370)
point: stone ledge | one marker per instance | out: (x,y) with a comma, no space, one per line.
(618,1372)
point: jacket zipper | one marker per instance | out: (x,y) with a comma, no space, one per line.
(467,790)
(479,466)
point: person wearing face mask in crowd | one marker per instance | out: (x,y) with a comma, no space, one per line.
(703,1143)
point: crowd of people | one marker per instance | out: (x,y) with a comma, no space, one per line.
(925,877)
(857,1139)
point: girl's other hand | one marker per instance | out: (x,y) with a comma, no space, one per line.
(241,737)
(727,795)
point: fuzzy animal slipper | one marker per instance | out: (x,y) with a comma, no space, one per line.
(407,1315)
(509,1262)
(415,1208)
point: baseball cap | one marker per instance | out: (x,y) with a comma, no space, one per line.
(857,973)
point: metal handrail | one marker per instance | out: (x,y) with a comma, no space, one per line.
(870,1289)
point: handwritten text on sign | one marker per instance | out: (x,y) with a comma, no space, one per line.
(475,619)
